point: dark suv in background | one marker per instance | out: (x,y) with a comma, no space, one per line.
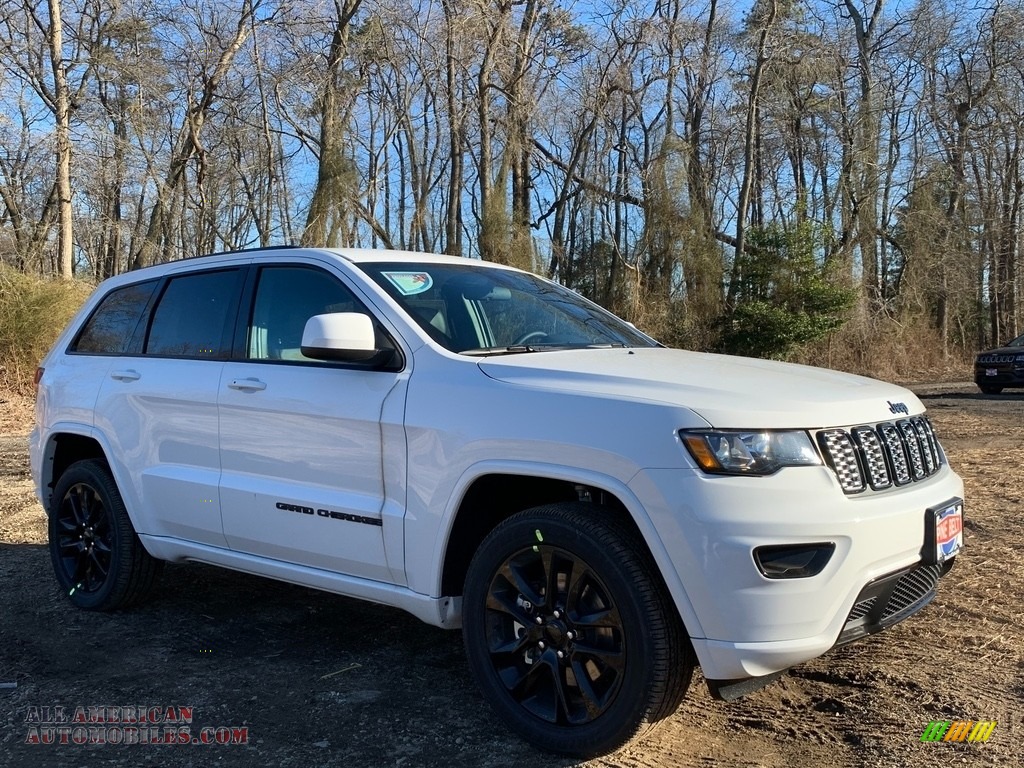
(997,369)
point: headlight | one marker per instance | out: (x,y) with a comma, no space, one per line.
(749,452)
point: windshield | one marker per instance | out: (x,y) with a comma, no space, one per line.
(479,310)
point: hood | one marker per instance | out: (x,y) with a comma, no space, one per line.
(727,392)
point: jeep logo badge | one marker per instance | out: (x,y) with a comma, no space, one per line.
(898,408)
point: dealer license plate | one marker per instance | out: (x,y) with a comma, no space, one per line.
(947,530)
(991,372)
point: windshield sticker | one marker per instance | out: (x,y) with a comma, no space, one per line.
(410,283)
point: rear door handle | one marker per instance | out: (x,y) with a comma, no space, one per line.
(128,375)
(247,385)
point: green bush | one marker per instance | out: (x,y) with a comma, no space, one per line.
(784,298)
(33,312)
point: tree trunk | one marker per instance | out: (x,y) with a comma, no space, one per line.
(62,135)
(453,209)
(750,141)
(865,158)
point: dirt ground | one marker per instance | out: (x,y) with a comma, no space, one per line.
(320,680)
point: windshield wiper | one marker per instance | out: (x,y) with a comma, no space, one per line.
(515,349)
(518,349)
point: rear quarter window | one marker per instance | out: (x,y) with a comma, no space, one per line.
(110,328)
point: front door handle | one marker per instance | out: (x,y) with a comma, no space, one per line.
(128,375)
(247,385)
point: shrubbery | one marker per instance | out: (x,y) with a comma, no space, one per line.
(33,312)
(783,297)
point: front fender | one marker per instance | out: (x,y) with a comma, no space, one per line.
(427,573)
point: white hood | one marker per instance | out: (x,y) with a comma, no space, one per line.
(728,392)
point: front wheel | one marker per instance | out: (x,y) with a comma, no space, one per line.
(97,557)
(990,390)
(569,630)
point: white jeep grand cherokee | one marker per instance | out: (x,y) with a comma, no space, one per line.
(481,447)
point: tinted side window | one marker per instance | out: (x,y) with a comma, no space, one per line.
(286,297)
(192,317)
(109,331)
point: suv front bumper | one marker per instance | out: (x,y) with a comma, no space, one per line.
(1004,374)
(744,625)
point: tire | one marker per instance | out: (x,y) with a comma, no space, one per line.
(990,390)
(97,557)
(588,664)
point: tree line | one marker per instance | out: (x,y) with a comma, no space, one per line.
(741,177)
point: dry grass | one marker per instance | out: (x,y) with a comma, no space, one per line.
(16,412)
(33,312)
(887,349)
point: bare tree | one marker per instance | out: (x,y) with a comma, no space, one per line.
(24,166)
(188,144)
(28,33)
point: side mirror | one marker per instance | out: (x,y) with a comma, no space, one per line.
(344,336)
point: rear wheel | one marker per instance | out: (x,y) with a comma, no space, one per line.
(97,557)
(569,631)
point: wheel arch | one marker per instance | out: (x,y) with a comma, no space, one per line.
(489,499)
(65,445)
(472,516)
(70,442)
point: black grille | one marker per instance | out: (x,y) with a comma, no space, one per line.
(911,588)
(861,609)
(882,455)
(890,599)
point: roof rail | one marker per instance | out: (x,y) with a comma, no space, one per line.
(244,250)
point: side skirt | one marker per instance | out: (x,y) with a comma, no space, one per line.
(445,612)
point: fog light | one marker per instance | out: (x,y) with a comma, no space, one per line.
(793,561)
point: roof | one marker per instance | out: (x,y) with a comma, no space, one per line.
(368,255)
(352,255)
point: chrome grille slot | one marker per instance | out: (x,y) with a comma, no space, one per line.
(913,448)
(897,453)
(874,457)
(933,442)
(842,454)
(880,456)
(926,448)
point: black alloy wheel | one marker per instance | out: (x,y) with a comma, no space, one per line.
(555,636)
(84,539)
(98,560)
(570,632)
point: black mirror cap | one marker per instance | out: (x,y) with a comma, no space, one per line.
(377,359)
(340,355)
